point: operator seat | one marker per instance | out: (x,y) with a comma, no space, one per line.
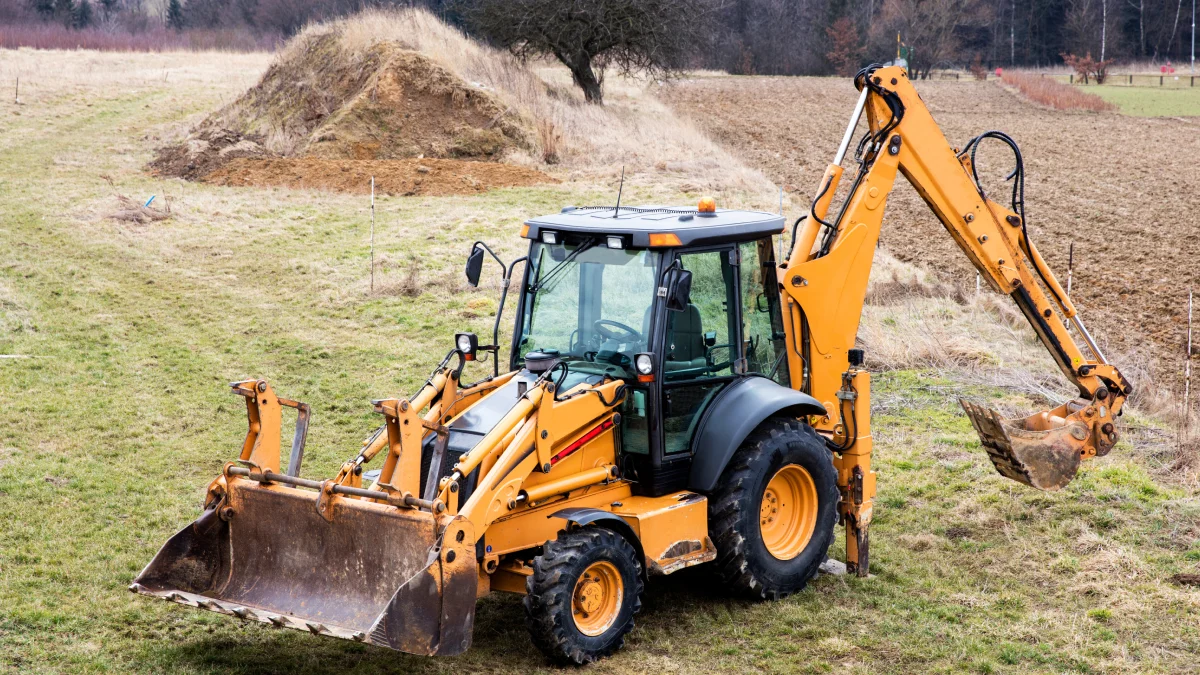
(685,340)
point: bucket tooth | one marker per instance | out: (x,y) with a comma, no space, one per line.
(244,613)
(1035,451)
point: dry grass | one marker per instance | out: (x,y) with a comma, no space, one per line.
(1051,92)
(131,210)
(633,128)
(550,140)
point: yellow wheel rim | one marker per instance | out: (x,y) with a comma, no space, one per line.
(788,515)
(596,601)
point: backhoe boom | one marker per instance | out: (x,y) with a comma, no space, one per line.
(824,282)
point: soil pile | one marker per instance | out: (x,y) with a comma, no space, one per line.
(205,151)
(325,100)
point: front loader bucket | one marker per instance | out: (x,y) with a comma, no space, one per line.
(1041,451)
(371,572)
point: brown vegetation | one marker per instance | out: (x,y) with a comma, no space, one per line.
(133,211)
(1088,68)
(845,49)
(1051,92)
(977,69)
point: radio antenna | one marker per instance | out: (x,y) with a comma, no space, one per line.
(620,189)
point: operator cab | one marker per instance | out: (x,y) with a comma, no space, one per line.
(679,303)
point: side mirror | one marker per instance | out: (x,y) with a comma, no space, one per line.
(474,266)
(679,290)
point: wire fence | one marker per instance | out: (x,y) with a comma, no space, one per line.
(1165,80)
(1145,80)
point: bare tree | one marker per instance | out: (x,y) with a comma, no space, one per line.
(653,37)
(1087,28)
(933,28)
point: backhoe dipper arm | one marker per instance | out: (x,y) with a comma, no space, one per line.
(825,278)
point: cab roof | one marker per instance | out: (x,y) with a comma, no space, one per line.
(637,223)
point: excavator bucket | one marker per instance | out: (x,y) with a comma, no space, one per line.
(360,570)
(1043,451)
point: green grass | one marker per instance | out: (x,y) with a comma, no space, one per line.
(1145,98)
(120,416)
(1151,101)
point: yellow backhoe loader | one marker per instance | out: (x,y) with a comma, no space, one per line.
(674,395)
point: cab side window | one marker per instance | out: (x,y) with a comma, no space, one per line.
(763,341)
(700,338)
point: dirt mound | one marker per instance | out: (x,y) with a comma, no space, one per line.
(395,177)
(203,152)
(325,99)
(414,107)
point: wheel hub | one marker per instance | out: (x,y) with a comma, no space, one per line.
(596,601)
(787,516)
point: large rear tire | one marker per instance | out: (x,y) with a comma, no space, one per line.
(580,600)
(774,509)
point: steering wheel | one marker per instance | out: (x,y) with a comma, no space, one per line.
(605,328)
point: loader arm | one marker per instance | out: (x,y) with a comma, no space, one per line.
(824,283)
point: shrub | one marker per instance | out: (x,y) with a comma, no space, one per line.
(1053,93)
(977,69)
(1088,68)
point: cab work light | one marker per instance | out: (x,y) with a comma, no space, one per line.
(468,344)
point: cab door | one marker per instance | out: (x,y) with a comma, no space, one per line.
(700,347)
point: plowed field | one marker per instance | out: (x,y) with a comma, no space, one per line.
(1125,190)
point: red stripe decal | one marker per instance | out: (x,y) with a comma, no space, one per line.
(599,429)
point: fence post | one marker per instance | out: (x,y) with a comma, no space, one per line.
(1072,76)
(1160,80)
(1131,80)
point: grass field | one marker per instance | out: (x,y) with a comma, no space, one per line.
(119,414)
(1146,97)
(1151,101)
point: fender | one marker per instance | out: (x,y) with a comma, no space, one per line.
(730,418)
(583,516)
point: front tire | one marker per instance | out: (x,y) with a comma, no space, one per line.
(580,600)
(774,509)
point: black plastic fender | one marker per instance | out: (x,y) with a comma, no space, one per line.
(583,516)
(730,418)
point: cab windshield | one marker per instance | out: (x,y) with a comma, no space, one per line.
(589,304)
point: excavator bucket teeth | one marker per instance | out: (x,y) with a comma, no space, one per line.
(374,573)
(1046,459)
